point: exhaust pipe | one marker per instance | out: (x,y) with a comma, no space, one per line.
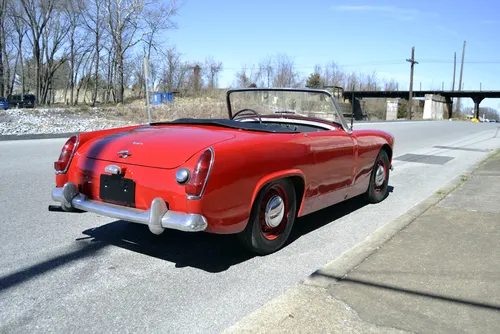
(56,208)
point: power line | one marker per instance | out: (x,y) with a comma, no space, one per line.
(339,65)
(435,61)
(389,62)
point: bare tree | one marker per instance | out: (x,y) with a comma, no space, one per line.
(80,67)
(52,41)
(85,76)
(137,74)
(155,72)
(4,62)
(333,75)
(213,69)
(110,73)
(285,74)
(124,23)
(157,19)
(266,71)
(94,22)
(247,77)
(38,14)
(128,26)
(73,10)
(183,78)
(370,82)
(172,69)
(352,81)
(20,30)
(390,85)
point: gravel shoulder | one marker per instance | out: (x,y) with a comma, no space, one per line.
(55,121)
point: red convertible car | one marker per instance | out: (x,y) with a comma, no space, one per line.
(281,154)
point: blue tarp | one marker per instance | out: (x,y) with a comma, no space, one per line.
(158,98)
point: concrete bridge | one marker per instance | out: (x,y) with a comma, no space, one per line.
(435,101)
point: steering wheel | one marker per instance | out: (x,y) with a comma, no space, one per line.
(251,110)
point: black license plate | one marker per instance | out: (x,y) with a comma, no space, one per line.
(117,189)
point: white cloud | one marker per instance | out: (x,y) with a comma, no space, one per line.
(366,8)
(490,21)
(447,30)
(397,13)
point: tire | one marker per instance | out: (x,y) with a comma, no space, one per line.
(259,236)
(378,187)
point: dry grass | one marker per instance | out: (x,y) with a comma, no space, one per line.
(375,108)
(137,112)
(207,106)
(201,107)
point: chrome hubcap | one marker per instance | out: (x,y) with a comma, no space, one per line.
(380,176)
(275,211)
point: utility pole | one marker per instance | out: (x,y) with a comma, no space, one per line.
(268,76)
(452,100)
(413,62)
(454,71)
(460,81)
(146,75)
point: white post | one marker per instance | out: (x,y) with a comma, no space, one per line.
(146,75)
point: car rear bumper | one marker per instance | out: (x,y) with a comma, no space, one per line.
(158,217)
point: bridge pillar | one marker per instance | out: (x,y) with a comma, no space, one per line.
(449,106)
(392,110)
(434,106)
(477,100)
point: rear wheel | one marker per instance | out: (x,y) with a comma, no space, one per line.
(271,219)
(379,179)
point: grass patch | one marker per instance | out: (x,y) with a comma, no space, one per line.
(441,193)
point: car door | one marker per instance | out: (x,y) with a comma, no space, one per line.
(333,169)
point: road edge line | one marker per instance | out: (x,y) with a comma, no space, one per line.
(37,136)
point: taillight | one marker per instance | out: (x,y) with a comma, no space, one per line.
(67,152)
(196,185)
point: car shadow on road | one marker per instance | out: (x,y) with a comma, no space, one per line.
(209,252)
(316,220)
(329,215)
(205,251)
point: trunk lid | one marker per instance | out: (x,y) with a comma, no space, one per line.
(156,146)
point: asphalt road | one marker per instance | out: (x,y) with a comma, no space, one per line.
(62,272)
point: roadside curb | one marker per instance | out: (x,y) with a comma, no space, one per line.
(37,136)
(353,257)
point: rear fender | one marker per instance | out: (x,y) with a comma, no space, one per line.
(83,139)
(276,176)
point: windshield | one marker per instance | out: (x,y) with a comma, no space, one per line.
(308,103)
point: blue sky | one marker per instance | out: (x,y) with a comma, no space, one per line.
(360,36)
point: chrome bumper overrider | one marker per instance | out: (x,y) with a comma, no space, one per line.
(158,217)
